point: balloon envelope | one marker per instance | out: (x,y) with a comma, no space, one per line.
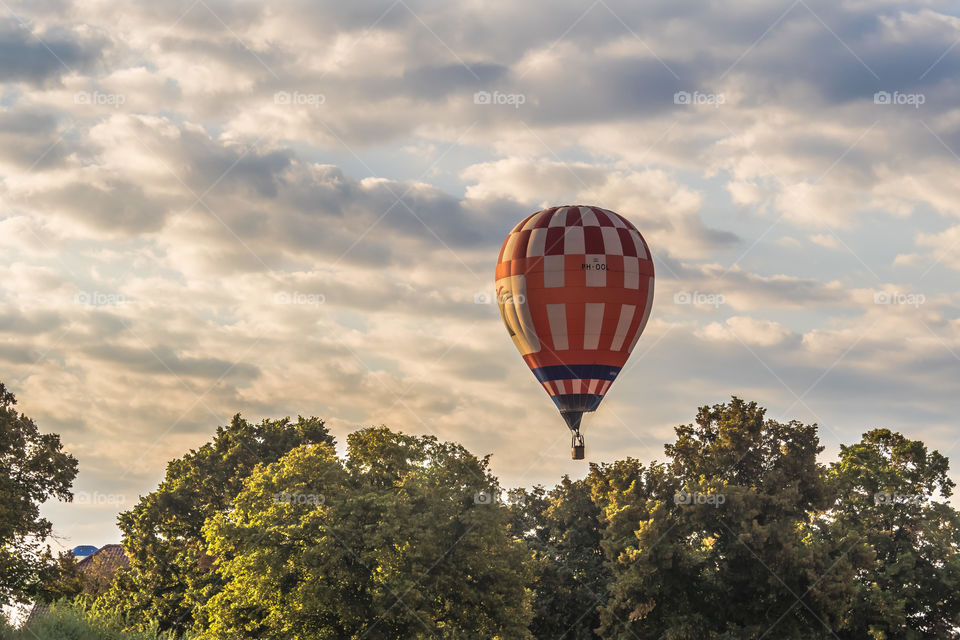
(575,287)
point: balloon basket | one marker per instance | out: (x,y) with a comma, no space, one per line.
(577,447)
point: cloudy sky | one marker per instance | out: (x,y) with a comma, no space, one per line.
(211,207)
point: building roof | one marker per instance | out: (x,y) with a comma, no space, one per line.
(110,557)
(97,570)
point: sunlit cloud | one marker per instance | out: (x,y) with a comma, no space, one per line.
(229,206)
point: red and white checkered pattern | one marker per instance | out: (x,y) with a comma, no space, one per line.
(586,277)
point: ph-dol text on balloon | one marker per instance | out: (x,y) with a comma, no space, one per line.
(575,288)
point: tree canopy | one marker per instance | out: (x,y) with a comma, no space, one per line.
(739,532)
(34,468)
(720,542)
(170,575)
(395,542)
(886,490)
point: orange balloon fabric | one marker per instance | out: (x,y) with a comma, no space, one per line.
(575,288)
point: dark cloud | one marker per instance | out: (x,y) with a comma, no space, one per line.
(115,206)
(213,166)
(36,58)
(31,138)
(473,366)
(164,361)
(322,211)
(432,82)
(590,89)
(19,354)
(29,323)
(98,323)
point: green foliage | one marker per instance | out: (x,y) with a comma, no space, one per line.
(886,488)
(397,542)
(33,469)
(66,621)
(563,531)
(62,581)
(266,533)
(739,559)
(169,575)
(82,584)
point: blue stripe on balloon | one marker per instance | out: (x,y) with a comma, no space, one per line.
(577,401)
(576,372)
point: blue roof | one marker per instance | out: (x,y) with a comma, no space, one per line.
(84,550)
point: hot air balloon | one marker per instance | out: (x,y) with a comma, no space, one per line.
(575,287)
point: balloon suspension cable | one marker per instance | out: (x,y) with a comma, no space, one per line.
(572,419)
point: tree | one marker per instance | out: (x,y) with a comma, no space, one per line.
(886,495)
(61,580)
(721,542)
(564,532)
(265,532)
(33,469)
(402,540)
(81,582)
(169,575)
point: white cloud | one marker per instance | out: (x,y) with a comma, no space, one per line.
(825,240)
(945,245)
(101,198)
(531,181)
(665,211)
(763,333)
